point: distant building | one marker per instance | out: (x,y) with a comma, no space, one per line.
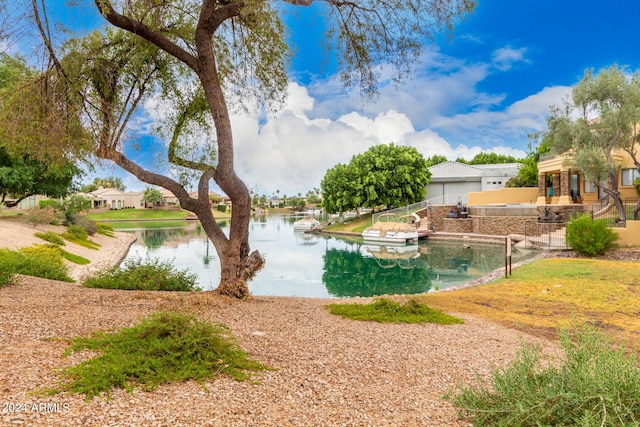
(115,199)
(452,181)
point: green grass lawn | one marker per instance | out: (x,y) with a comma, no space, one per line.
(355,225)
(137,214)
(146,214)
(552,292)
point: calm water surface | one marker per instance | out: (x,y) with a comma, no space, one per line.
(311,265)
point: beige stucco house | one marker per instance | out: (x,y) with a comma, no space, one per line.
(560,184)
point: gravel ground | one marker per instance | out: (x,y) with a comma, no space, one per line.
(329,371)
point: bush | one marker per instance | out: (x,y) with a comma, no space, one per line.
(38,261)
(77,232)
(595,384)
(82,221)
(222,207)
(590,238)
(388,311)
(162,348)
(146,275)
(54,204)
(35,216)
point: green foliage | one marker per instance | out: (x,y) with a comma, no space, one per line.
(38,261)
(590,238)
(222,207)
(22,176)
(528,173)
(51,237)
(77,232)
(613,96)
(436,159)
(146,275)
(76,259)
(105,229)
(596,384)
(78,235)
(89,226)
(387,311)
(152,195)
(49,203)
(162,348)
(636,183)
(384,175)
(488,159)
(108,182)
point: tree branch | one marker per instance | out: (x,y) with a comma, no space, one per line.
(121,21)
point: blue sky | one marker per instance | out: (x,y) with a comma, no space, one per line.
(483,90)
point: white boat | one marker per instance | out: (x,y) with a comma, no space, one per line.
(306,223)
(394,232)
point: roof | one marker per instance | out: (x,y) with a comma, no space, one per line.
(451,170)
(107,192)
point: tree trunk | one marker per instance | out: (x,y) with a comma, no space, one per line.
(617,201)
(636,211)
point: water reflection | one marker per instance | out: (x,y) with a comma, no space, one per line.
(348,273)
(313,265)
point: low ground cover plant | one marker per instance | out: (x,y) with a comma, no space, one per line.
(597,383)
(51,237)
(148,274)
(388,311)
(105,229)
(38,261)
(589,237)
(162,348)
(77,234)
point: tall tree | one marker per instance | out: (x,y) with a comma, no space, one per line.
(607,107)
(436,159)
(110,182)
(384,175)
(528,173)
(488,159)
(223,45)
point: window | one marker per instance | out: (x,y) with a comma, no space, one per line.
(629,175)
(589,187)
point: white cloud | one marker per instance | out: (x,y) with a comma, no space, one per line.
(504,58)
(439,110)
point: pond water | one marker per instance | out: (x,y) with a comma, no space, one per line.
(319,266)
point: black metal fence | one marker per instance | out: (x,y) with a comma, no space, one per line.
(607,211)
(545,234)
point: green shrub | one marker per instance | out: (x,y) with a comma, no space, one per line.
(386,310)
(88,225)
(146,275)
(162,348)
(53,204)
(77,234)
(222,207)
(38,261)
(51,237)
(590,238)
(595,384)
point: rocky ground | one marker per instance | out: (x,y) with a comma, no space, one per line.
(329,371)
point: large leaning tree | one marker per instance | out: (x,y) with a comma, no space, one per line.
(603,114)
(195,54)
